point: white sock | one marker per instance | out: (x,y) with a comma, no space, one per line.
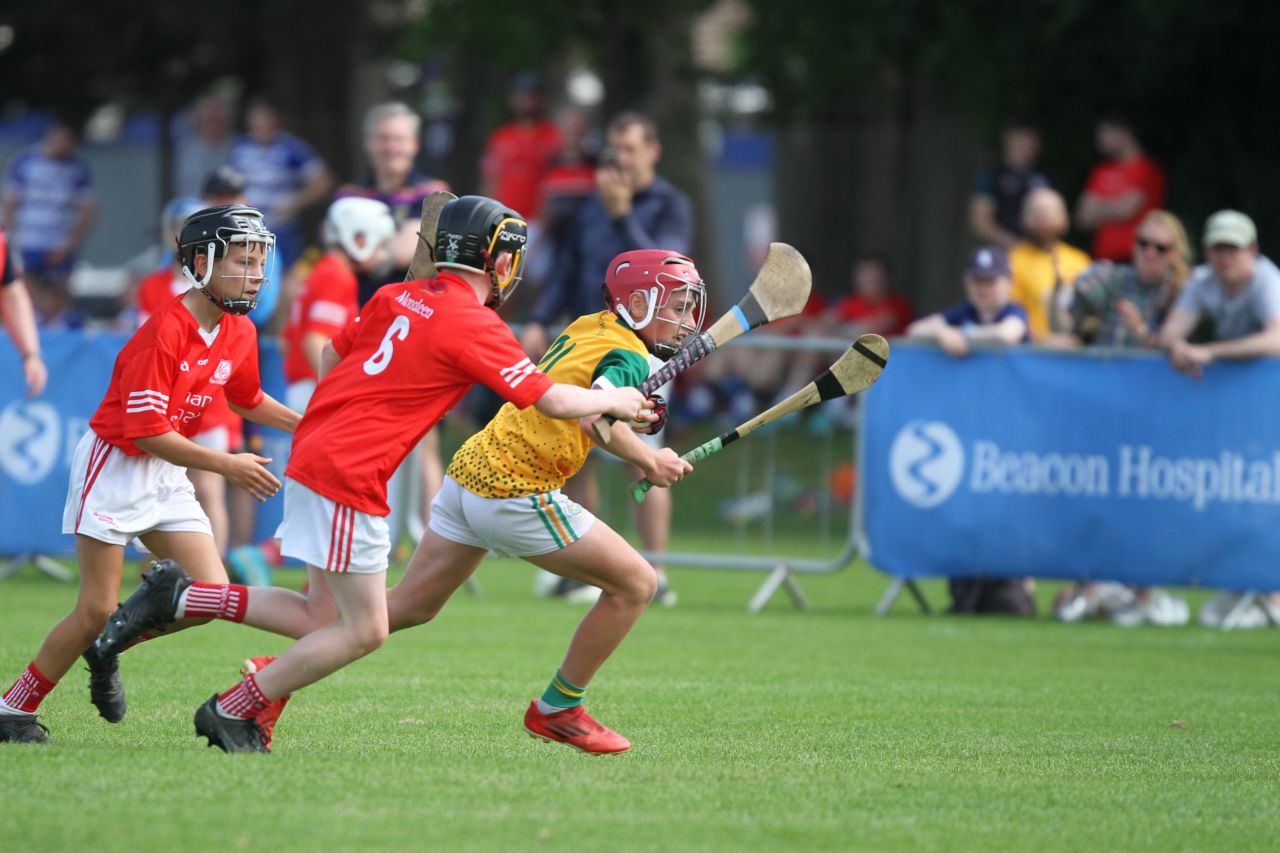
(182,603)
(545,708)
(6,709)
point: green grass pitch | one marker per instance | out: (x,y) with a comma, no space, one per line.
(784,730)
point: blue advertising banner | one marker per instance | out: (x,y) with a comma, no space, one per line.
(38,437)
(1059,465)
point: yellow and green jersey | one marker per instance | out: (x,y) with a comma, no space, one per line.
(524,452)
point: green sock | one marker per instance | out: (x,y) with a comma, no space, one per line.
(563,693)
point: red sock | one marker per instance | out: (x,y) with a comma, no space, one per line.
(243,701)
(29,690)
(216,600)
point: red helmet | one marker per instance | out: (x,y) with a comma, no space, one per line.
(658,274)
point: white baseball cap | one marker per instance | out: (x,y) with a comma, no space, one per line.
(1231,228)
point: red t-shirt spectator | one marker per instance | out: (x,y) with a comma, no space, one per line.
(1113,241)
(894,309)
(517,158)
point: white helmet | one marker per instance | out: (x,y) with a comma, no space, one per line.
(349,218)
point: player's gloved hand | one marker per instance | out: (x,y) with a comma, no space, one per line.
(248,471)
(666,468)
(659,406)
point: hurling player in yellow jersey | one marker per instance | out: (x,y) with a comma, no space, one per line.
(502,490)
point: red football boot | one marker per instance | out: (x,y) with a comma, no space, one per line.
(573,726)
(268,716)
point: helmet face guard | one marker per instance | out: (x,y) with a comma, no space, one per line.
(659,276)
(473,233)
(511,235)
(231,234)
(690,318)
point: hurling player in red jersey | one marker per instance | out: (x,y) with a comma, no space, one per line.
(128,475)
(220,428)
(388,377)
(356,233)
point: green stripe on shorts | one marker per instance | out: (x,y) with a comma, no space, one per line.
(551,528)
(567,525)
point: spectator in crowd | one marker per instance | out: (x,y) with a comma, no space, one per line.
(1119,191)
(202,144)
(633,208)
(20,320)
(986,316)
(755,377)
(49,210)
(392,137)
(391,143)
(283,175)
(570,180)
(995,208)
(1237,296)
(518,154)
(873,306)
(1123,305)
(1044,266)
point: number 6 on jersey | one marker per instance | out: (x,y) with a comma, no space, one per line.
(376,363)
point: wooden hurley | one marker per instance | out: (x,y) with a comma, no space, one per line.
(780,289)
(856,370)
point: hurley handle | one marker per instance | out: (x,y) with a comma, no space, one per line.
(702,451)
(696,350)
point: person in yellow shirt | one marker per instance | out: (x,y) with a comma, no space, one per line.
(1044,267)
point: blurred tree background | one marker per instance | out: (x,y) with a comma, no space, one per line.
(881,110)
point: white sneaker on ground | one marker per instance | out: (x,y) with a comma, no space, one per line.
(1159,608)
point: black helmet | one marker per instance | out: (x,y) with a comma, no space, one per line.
(472,232)
(211,232)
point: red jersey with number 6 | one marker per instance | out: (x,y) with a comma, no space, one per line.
(169,373)
(412,354)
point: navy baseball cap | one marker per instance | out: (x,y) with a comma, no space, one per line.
(988,262)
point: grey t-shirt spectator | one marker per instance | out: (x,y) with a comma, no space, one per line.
(1246,314)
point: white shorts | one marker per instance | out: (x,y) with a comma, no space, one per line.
(509,527)
(218,438)
(113,497)
(335,538)
(298,394)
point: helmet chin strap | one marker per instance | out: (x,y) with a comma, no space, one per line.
(238,306)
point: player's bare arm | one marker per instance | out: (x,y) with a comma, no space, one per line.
(662,466)
(569,402)
(246,470)
(329,359)
(270,413)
